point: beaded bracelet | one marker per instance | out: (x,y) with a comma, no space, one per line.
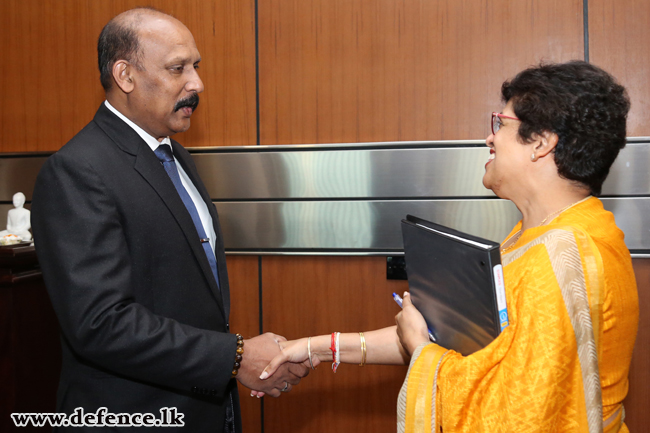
(239,355)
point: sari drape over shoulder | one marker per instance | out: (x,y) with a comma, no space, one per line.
(562,364)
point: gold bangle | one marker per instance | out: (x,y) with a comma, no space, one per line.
(309,352)
(363,349)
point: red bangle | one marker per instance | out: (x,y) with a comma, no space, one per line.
(333,348)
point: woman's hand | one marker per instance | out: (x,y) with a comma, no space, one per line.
(294,351)
(411,327)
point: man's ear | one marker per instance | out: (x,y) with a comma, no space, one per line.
(545,143)
(122,74)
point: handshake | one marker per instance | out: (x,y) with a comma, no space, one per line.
(272,365)
(259,353)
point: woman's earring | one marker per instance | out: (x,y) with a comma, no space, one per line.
(533,157)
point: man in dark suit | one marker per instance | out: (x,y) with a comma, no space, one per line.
(131,250)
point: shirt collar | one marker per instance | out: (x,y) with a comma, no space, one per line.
(149,139)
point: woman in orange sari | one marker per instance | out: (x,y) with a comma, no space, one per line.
(562,363)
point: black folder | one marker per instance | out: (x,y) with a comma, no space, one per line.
(456,282)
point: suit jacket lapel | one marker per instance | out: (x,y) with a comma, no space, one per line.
(153,172)
(188,165)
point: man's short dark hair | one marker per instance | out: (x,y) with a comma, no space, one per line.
(583,105)
(119,41)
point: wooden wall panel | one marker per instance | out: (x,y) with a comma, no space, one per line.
(341,71)
(637,402)
(243,276)
(619,41)
(305,296)
(50,88)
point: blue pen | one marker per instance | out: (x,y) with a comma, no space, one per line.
(398,299)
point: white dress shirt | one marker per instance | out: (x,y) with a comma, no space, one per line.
(200,205)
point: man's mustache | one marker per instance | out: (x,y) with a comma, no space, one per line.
(191,101)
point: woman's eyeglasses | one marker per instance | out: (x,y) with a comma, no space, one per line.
(496,121)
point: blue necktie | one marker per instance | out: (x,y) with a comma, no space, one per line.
(164,154)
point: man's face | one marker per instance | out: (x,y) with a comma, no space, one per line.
(167,87)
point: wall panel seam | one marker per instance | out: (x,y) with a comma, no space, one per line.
(585,26)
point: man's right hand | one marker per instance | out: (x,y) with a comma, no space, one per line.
(258,352)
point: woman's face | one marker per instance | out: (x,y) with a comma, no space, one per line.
(505,171)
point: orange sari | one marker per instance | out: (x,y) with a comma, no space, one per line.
(562,363)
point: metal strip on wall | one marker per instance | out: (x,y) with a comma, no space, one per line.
(368,171)
(349,198)
(18,173)
(373,227)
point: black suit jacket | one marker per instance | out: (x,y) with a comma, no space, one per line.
(144,325)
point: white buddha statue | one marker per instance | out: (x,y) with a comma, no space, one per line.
(18,222)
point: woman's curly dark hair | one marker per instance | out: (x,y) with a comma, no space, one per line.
(583,105)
